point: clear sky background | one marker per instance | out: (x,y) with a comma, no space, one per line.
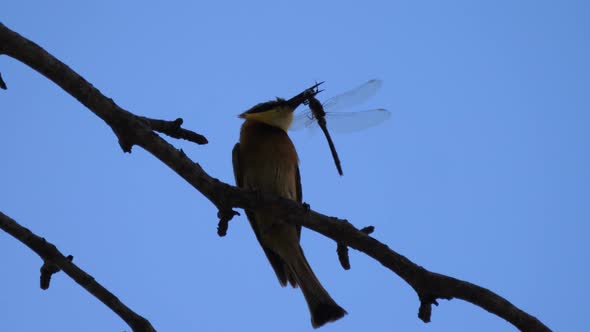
(482,172)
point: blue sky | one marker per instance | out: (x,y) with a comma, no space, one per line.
(482,172)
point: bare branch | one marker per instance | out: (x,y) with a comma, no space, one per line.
(2,83)
(54,261)
(342,249)
(48,269)
(224,217)
(131,130)
(173,129)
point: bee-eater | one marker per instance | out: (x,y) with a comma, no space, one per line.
(265,159)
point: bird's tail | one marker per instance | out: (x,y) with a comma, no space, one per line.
(322,307)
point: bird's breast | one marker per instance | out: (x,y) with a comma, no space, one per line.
(268,159)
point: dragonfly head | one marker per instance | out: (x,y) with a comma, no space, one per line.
(304,96)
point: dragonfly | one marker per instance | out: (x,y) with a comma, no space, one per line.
(319,114)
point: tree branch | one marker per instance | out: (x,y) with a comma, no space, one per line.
(2,84)
(173,129)
(131,130)
(48,269)
(54,261)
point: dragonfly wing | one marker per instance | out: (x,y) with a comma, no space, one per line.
(348,122)
(302,120)
(353,97)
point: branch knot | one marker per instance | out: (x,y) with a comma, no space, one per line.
(225,215)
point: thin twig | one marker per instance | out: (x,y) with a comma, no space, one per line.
(48,269)
(2,83)
(225,216)
(174,130)
(342,249)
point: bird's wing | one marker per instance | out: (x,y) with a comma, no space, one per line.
(278,264)
(235,159)
(299,196)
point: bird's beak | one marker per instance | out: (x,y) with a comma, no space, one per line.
(303,96)
(287,105)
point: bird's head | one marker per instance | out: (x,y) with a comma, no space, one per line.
(279,113)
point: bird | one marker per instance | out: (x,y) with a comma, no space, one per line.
(265,160)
